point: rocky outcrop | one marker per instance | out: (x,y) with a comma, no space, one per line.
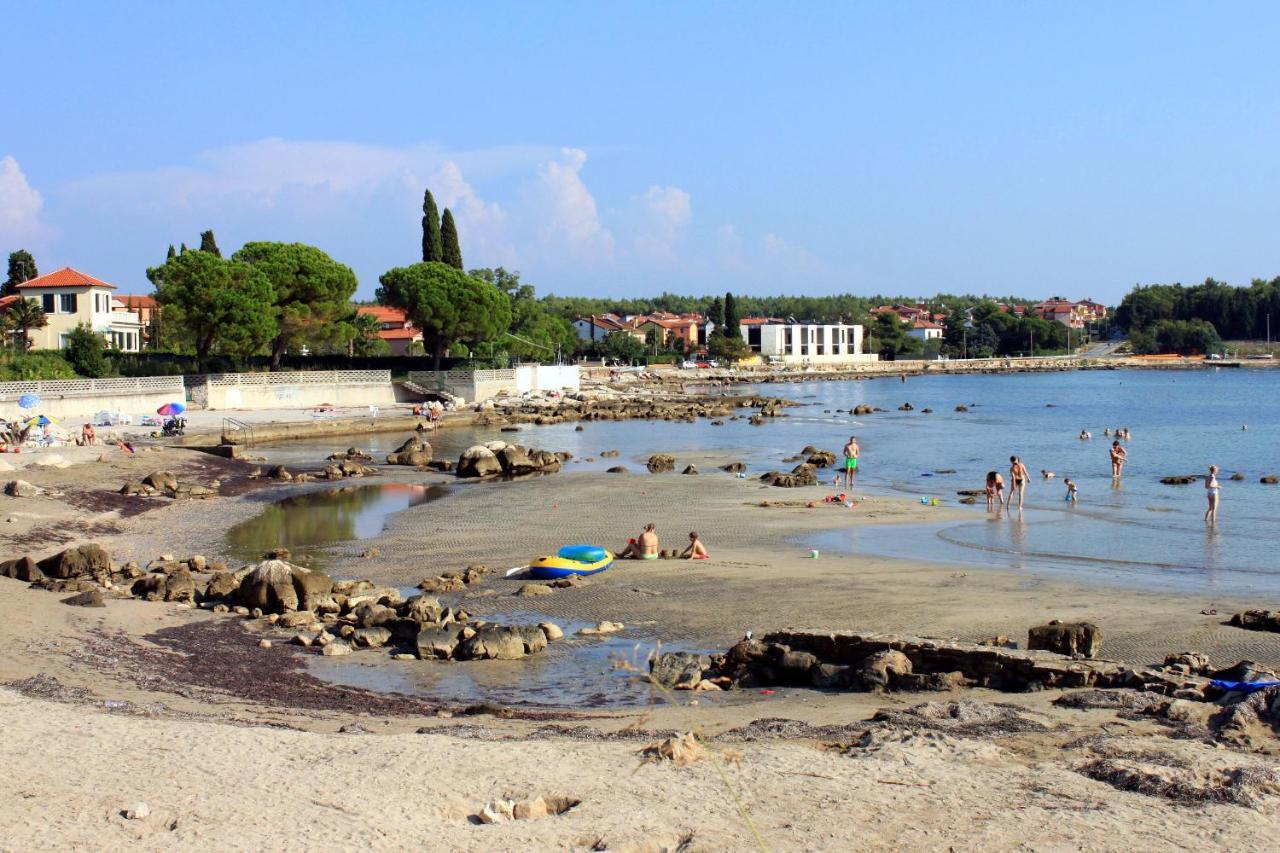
(1257,620)
(276,587)
(803,474)
(23,569)
(1180,479)
(75,562)
(1066,638)
(21,489)
(821,459)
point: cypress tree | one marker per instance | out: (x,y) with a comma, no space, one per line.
(452,254)
(432,247)
(183,249)
(716,314)
(22,267)
(208,244)
(731,319)
(172,254)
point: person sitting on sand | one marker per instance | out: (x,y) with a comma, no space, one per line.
(88,435)
(644,548)
(696,550)
(1118,458)
(995,490)
(1073,494)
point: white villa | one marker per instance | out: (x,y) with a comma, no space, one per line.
(806,343)
(70,298)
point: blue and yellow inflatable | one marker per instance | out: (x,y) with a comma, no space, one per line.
(571,560)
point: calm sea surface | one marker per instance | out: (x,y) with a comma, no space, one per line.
(1139,533)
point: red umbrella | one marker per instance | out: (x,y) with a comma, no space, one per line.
(171,409)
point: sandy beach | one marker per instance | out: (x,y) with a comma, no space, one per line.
(227,743)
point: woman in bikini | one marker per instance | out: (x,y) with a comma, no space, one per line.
(1018,475)
(1211,490)
(995,490)
(1118,457)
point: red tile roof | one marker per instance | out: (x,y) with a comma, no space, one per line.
(925,324)
(6,301)
(65,277)
(132,301)
(384,313)
(399,334)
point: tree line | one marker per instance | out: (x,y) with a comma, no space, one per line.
(1174,318)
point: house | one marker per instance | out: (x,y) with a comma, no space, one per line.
(805,343)
(925,330)
(394,327)
(71,298)
(147,309)
(1090,311)
(1059,310)
(672,327)
(597,327)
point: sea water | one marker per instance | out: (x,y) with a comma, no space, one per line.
(1136,532)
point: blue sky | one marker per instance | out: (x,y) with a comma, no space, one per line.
(631,148)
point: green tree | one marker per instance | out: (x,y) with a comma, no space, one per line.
(84,351)
(715,313)
(451,251)
(954,332)
(218,305)
(432,245)
(312,295)
(536,333)
(172,253)
(727,348)
(208,244)
(25,315)
(364,340)
(622,346)
(732,319)
(446,304)
(22,267)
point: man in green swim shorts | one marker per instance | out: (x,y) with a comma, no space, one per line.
(644,548)
(850,462)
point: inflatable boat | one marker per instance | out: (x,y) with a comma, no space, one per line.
(571,560)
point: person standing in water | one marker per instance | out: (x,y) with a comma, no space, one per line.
(1118,457)
(1211,490)
(1073,493)
(995,490)
(850,461)
(1018,477)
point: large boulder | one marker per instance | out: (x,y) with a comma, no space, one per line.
(821,459)
(23,569)
(661,462)
(414,451)
(88,598)
(371,638)
(678,670)
(423,608)
(313,588)
(877,671)
(74,562)
(161,481)
(151,587)
(1066,638)
(269,587)
(478,461)
(438,642)
(1257,620)
(515,459)
(495,642)
(180,585)
(222,585)
(372,615)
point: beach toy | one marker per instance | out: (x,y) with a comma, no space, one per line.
(933,501)
(924,501)
(571,560)
(814,554)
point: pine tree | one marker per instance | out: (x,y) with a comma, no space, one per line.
(432,247)
(452,254)
(182,250)
(172,253)
(22,267)
(208,244)
(732,321)
(716,314)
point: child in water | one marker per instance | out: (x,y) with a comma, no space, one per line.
(1073,494)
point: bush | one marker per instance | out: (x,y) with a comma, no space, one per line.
(84,351)
(30,366)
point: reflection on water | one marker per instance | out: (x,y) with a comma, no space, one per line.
(303,523)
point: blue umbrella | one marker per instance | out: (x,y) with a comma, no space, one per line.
(28,401)
(171,409)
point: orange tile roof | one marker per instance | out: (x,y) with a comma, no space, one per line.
(131,301)
(6,301)
(65,277)
(384,313)
(399,334)
(925,324)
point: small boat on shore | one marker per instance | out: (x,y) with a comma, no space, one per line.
(571,560)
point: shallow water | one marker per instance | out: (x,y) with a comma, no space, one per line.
(1138,532)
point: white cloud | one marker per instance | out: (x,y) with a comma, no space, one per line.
(20,205)
(664,213)
(567,209)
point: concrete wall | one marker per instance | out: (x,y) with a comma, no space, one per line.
(79,399)
(300,390)
(475,385)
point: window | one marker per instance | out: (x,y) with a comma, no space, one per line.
(67,303)
(62,340)
(46,302)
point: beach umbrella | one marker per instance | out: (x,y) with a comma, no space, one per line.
(171,409)
(28,401)
(40,420)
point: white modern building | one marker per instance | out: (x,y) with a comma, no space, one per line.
(925,330)
(806,343)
